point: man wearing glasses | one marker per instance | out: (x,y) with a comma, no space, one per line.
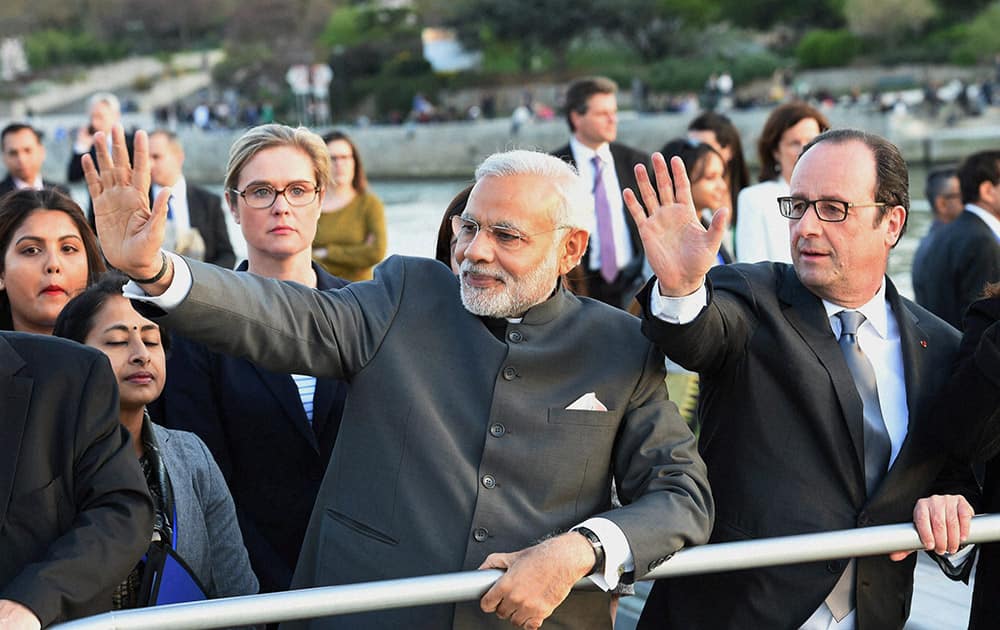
(814,375)
(487,415)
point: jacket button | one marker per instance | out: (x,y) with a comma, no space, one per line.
(489,482)
(515,336)
(835,566)
(497,430)
(509,373)
(480,534)
(864,520)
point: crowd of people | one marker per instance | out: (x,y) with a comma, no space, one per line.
(331,417)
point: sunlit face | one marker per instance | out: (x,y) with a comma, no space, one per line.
(341,162)
(282,230)
(133,346)
(102,117)
(44,266)
(599,125)
(792,140)
(842,262)
(166,160)
(495,281)
(708,137)
(710,189)
(23,155)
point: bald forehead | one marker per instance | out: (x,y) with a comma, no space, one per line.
(512,198)
(167,141)
(829,167)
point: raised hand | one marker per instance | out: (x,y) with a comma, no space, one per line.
(679,249)
(130,231)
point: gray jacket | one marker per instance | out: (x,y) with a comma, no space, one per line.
(456,443)
(208,536)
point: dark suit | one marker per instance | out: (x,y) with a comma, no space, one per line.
(962,258)
(7,185)
(583,280)
(206,215)
(253,422)
(975,398)
(75,514)
(782,436)
(457,443)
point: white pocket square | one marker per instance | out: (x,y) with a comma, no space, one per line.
(587,402)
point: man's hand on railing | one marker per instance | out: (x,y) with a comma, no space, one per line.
(942,521)
(537,580)
(15,616)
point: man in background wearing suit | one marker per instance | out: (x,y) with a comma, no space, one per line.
(611,270)
(196,224)
(23,156)
(965,254)
(75,513)
(945,198)
(816,379)
(465,437)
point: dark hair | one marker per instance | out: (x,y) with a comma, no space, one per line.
(76,320)
(935,183)
(457,206)
(360,181)
(16,127)
(892,180)
(692,153)
(16,207)
(580,91)
(980,167)
(728,136)
(781,119)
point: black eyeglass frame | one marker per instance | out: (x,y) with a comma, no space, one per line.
(785,205)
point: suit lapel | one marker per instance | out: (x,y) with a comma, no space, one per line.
(15,397)
(284,390)
(806,314)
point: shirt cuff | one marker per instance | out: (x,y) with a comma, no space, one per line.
(176,293)
(677,310)
(618,558)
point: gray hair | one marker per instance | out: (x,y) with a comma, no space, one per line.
(108,99)
(576,204)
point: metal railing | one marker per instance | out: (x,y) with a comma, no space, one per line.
(471,585)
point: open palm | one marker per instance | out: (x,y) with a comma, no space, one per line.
(679,249)
(131,232)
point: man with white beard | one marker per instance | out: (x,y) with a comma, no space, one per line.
(484,425)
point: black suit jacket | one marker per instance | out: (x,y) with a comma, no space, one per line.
(7,185)
(974,398)
(206,215)
(960,260)
(782,436)
(253,422)
(75,514)
(583,280)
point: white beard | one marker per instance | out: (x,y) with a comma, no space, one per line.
(515,296)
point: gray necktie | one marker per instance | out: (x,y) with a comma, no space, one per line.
(877,443)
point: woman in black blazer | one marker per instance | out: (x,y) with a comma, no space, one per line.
(271,433)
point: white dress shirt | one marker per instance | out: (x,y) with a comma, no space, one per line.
(178,204)
(618,558)
(20,184)
(583,157)
(987,218)
(761,231)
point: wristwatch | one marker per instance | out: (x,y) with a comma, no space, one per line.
(595,542)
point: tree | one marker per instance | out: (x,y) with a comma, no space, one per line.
(888,19)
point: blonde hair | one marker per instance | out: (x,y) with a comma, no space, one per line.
(263,137)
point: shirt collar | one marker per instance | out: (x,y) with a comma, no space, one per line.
(583,153)
(20,184)
(991,221)
(874,310)
(177,190)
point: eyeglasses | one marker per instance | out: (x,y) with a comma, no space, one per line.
(829,210)
(511,239)
(341,158)
(261,196)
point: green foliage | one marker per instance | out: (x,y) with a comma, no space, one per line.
(50,47)
(679,74)
(982,37)
(367,22)
(827,49)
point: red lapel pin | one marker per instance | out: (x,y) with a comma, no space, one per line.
(923,343)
